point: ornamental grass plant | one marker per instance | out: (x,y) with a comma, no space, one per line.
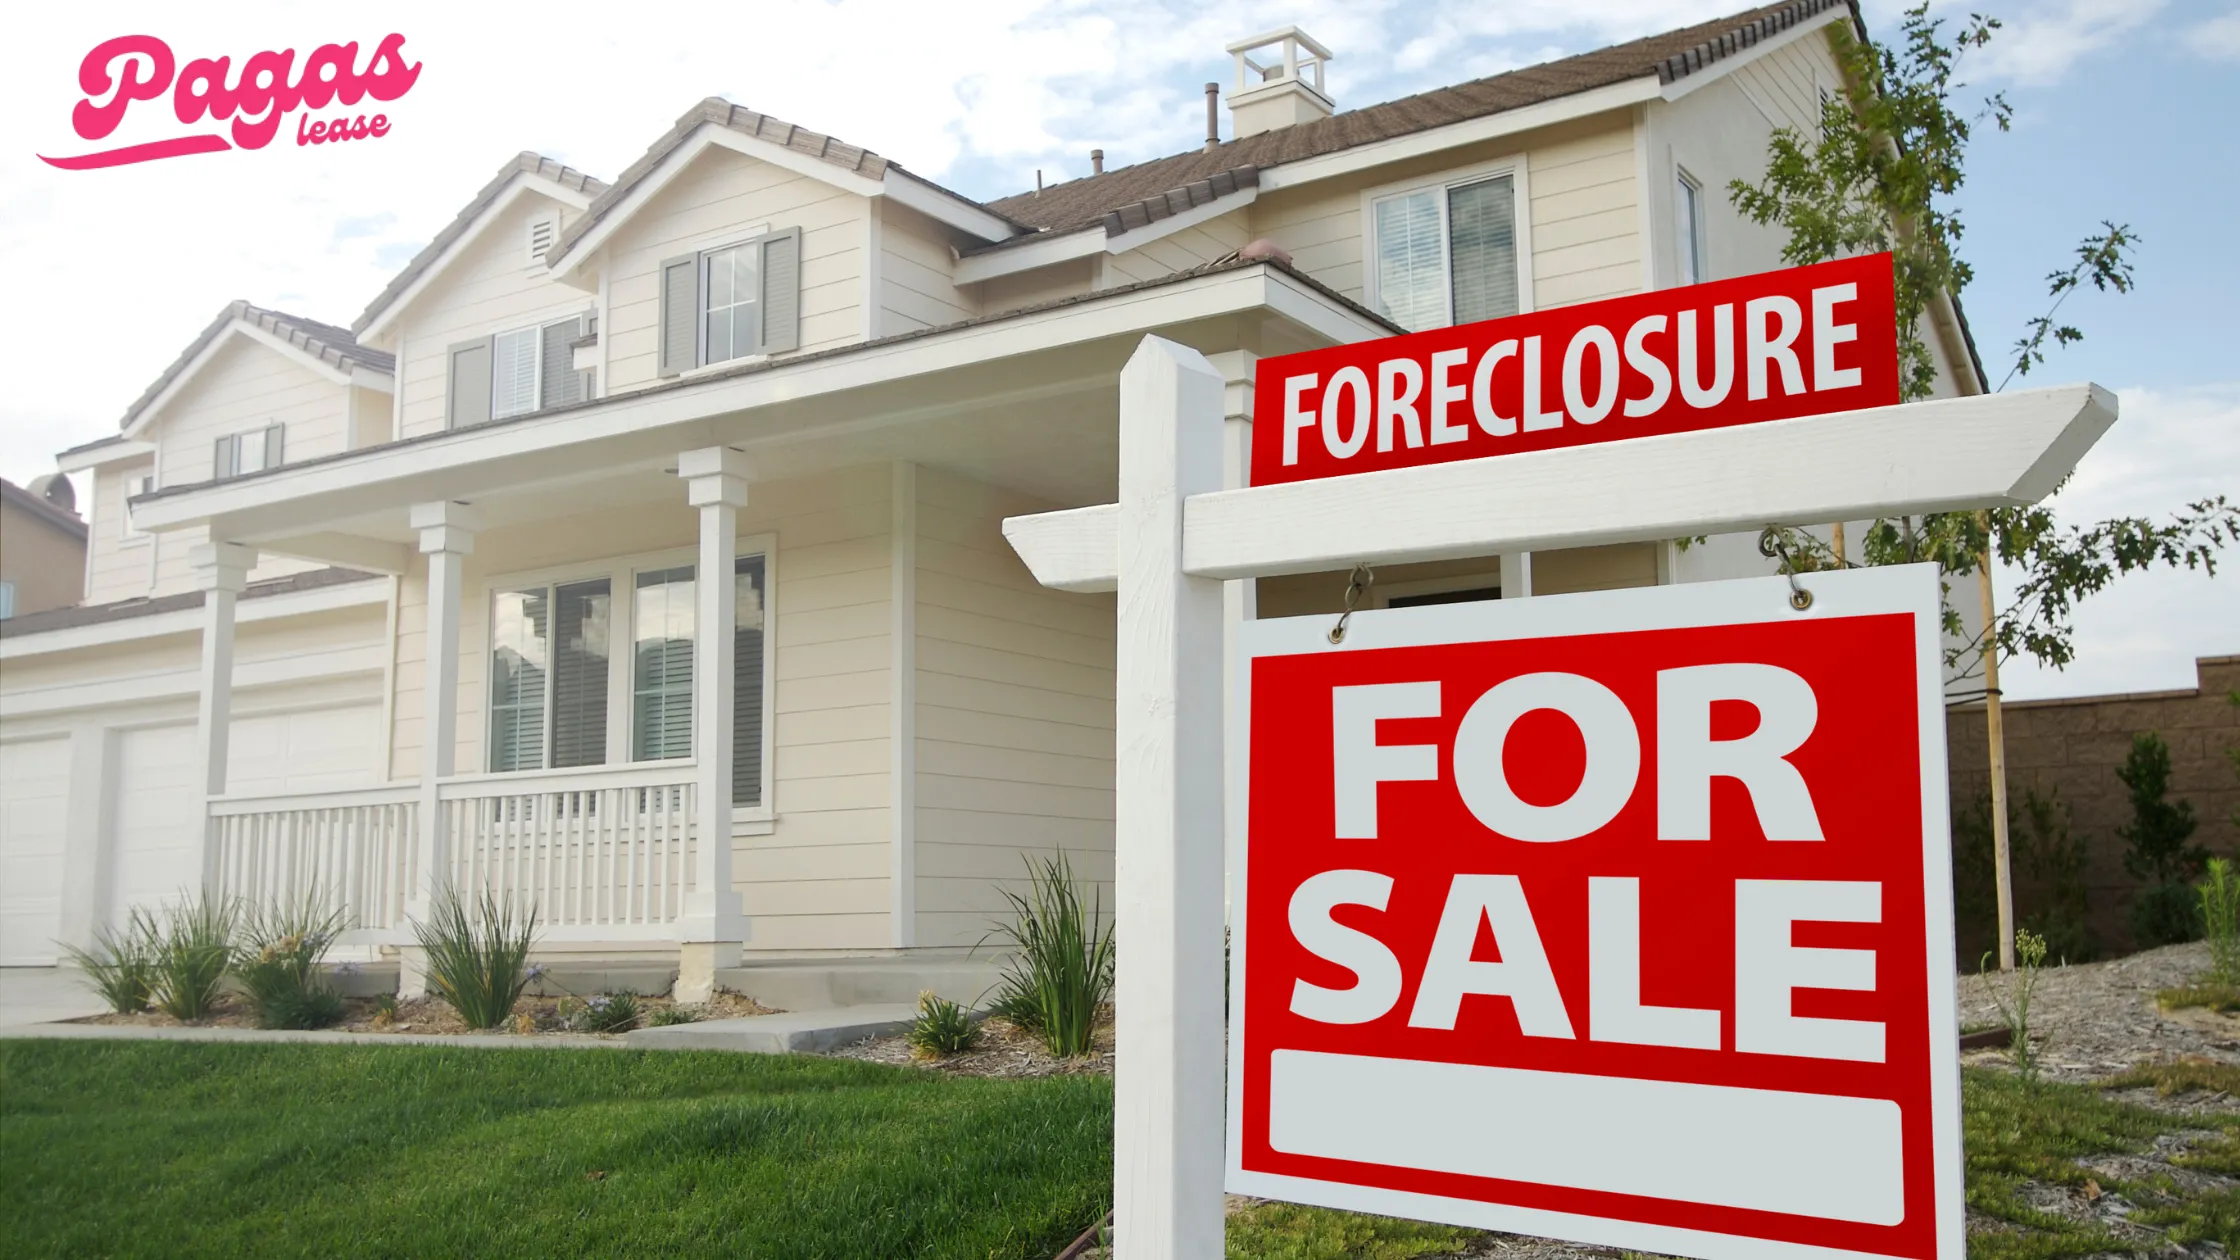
(279,956)
(1060,975)
(478,959)
(120,967)
(191,948)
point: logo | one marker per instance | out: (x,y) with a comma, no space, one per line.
(130,68)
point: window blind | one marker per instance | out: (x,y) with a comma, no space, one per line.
(747,646)
(1482,249)
(519,636)
(661,672)
(579,673)
(1410,261)
(513,373)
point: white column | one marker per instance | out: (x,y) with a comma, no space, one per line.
(447,531)
(713,926)
(1516,574)
(1167,1087)
(902,701)
(221,569)
(1239,599)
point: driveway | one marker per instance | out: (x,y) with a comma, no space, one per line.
(40,995)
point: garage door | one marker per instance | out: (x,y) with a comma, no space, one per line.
(312,750)
(34,797)
(158,815)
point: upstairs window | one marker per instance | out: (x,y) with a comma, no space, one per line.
(252,451)
(1687,220)
(1446,254)
(731,302)
(518,371)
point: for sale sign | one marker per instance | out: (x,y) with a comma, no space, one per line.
(1804,341)
(1622,918)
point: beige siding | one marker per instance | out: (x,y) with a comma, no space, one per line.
(1043,284)
(1178,251)
(489,288)
(244,387)
(375,417)
(721,197)
(1594,569)
(917,288)
(1014,715)
(118,567)
(819,880)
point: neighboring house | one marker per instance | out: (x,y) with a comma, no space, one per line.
(457,628)
(42,546)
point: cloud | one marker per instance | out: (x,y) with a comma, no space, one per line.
(2218,38)
(2041,47)
(2170,448)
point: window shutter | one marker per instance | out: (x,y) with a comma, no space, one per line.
(275,440)
(513,357)
(223,458)
(680,314)
(469,386)
(781,292)
(747,646)
(561,383)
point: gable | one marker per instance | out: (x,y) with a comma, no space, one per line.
(243,386)
(529,176)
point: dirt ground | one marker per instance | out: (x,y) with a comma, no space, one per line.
(532,1016)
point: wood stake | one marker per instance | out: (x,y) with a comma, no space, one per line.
(1995,729)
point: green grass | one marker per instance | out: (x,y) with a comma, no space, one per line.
(1286,1231)
(167,1149)
(2217,997)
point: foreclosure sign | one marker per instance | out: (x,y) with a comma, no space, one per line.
(1622,918)
(1800,342)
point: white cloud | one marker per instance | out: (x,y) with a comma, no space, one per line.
(2143,633)
(2218,37)
(2041,44)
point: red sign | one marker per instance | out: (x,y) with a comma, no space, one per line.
(266,88)
(1623,918)
(1802,342)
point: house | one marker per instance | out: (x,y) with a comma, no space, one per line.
(419,601)
(42,546)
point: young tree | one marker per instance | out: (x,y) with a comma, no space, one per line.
(2159,851)
(1880,174)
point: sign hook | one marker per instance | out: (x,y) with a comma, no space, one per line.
(1357,585)
(1771,544)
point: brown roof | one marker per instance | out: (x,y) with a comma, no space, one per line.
(722,113)
(126,609)
(523,163)
(68,522)
(324,342)
(1082,203)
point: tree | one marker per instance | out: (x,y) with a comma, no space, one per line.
(1880,174)
(2159,852)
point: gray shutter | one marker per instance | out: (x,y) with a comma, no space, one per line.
(680,314)
(781,292)
(275,444)
(222,461)
(561,384)
(468,393)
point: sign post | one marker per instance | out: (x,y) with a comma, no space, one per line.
(1174,536)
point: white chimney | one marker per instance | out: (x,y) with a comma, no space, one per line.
(1279,82)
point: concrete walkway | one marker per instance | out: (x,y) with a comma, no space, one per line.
(42,995)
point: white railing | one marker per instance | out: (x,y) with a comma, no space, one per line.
(351,851)
(600,853)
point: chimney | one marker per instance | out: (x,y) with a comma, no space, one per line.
(1096,161)
(1279,82)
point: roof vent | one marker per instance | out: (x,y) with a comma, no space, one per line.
(57,490)
(1279,82)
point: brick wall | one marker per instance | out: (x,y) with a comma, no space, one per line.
(2076,745)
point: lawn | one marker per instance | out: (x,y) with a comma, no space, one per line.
(167,1149)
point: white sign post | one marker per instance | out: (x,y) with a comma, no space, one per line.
(1175,535)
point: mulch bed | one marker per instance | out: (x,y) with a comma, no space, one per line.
(1005,1050)
(532,1016)
(2093,1020)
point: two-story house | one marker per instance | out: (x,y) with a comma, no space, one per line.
(425,601)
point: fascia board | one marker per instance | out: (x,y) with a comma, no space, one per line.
(1363,157)
(1204,297)
(1085,243)
(102,455)
(243,328)
(325,370)
(521,184)
(189,620)
(945,207)
(373,379)
(1136,238)
(359,661)
(1727,65)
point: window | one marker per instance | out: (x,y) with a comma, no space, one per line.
(1687,218)
(544,229)
(7,600)
(550,700)
(1447,255)
(253,451)
(517,371)
(731,301)
(134,487)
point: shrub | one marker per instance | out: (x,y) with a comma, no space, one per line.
(2159,827)
(191,952)
(478,962)
(280,952)
(669,1015)
(1061,975)
(120,967)
(942,1027)
(2165,914)
(2220,921)
(607,1013)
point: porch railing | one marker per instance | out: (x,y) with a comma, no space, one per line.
(602,854)
(352,851)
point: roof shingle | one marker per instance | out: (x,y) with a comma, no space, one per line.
(330,345)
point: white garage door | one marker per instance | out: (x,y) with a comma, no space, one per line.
(158,815)
(311,750)
(34,797)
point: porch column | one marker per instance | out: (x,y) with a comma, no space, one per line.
(221,569)
(712,927)
(1240,600)
(447,531)
(1516,574)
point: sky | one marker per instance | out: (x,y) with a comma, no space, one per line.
(2119,109)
